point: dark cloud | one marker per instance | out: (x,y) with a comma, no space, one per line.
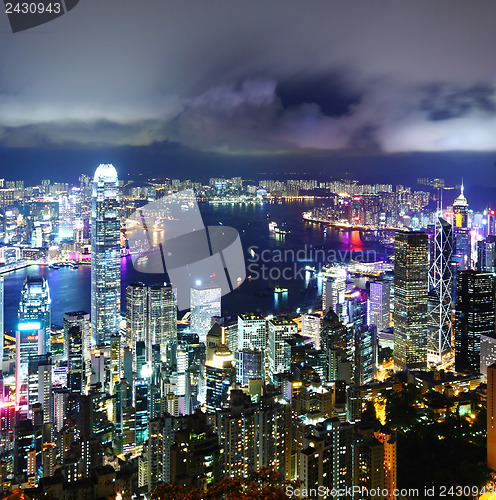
(253,77)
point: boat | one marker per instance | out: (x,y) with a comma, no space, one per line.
(279,289)
(54,266)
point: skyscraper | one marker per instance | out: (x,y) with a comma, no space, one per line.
(162,316)
(474,316)
(81,320)
(462,233)
(410,299)
(279,329)
(105,254)
(378,305)
(205,304)
(440,292)
(35,306)
(252,332)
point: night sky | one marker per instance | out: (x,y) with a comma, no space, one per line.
(387,90)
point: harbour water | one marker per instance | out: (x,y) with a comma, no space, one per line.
(272,261)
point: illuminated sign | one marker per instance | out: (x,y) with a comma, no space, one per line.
(29,325)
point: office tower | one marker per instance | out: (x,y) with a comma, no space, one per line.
(81,320)
(252,332)
(195,454)
(67,215)
(75,371)
(162,317)
(220,376)
(333,288)
(136,314)
(141,407)
(182,370)
(362,344)
(410,300)
(249,365)
(27,346)
(379,304)
(491,417)
(440,302)
(279,330)
(474,316)
(128,430)
(60,402)
(105,255)
(310,327)
(486,255)
(333,333)
(388,439)
(462,232)
(35,307)
(213,341)
(45,395)
(115,362)
(205,304)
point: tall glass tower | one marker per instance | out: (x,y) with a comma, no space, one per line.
(410,300)
(105,255)
(35,307)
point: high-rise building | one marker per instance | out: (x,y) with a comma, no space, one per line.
(162,316)
(105,255)
(462,232)
(27,346)
(205,304)
(410,299)
(220,376)
(491,417)
(474,316)
(35,306)
(81,320)
(279,330)
(310,327)
(440,302)
(486,255)
(75,370)
(333,288)
(252,332)
(379,304)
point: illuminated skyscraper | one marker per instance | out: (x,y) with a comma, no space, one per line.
(35,307)
(105,255)
(440,293)
(279,330)
(379,304)
(81,320)
(462,232)
(162,316)
(252,332)
(205,304)
(474,316)
(410,299)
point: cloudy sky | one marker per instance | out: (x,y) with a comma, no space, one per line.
(260,78)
